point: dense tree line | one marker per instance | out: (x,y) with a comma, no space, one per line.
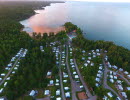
(32,71)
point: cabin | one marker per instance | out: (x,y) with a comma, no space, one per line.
(66,88)
(57,80)
(67,94)
(114,73)
(100,68)
(5,84)
(118,81)
(9,65)
(0,79)
(3,74)
(57,84)
(13,72)
(65,76)
(83,51)
(76,76)
(88,61)
(120,87)
(97,50)
(6,68)
(89,58)
(94,56)
(110,94)
(51,82)
(97,85)
(15,68)
(115,67)
(99,71)
(115,77)
(1,90)
(111,80)
(105,98)
(111,76)
(2,98)
(59,98)
(128,88)
(65,81)
(126,73)
(83,58)
(32,93)
(47,92)
(98,54)
(8,78)
(99,75)
(98,79)
(92,64)
(85,64)
(49,73)
(57,92)
(120,69)
(81,86)
(73,66)
(124,95)
(74,73)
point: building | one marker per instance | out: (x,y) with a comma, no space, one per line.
(47,92)
(67,94)
(110,94)
(120,87)
(124,95)
(57,92)
(32,93)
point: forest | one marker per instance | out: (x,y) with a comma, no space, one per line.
(32,71)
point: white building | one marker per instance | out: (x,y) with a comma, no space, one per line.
(67,94)
(124,94)
(58,92)
(32,93)
(1,90)
(111,80)
(66,88)
(120,87)
(47,92)
(110,94)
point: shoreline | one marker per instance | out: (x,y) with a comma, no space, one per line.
(61,28)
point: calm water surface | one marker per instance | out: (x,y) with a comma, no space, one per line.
(99,21)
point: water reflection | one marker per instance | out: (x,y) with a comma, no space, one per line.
(100,21)
(47,20)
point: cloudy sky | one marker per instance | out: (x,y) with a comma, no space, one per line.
(103,0)
(78,0)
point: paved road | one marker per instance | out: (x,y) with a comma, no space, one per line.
(73,83)
(105,85)
(10,71)
(126,80)
(61,82)
(84,83)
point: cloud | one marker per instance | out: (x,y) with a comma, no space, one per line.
(102,0)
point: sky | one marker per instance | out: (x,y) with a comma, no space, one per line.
(102,0)
(77,0)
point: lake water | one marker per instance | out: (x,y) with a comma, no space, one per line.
(99,21)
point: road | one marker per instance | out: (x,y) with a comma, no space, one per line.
(10,71)
(122,77)
(82,80)
(73,83)
(61,82)
(105,85)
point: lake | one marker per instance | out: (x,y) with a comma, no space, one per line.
(99,21)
